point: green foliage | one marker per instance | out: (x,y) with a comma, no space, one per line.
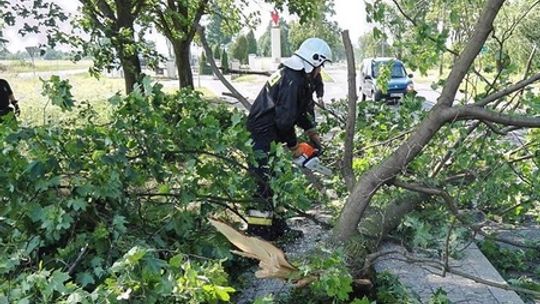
(52,54)
(504,259)
(116,211)
(216,52)
(218,32)
(424,230)
(527,283)
(225,62)
(334,281)
(327,30)
(439,297)
(307,10)
(390,290)
(376,122)
(251,42)
(204,67)
(239,49)
(370,46)
(58,92)
(264,300)
(364,300)
(384,74)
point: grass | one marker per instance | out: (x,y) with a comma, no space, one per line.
(35,107)
(246,78)
(430,77)
(25,66)
(206,92)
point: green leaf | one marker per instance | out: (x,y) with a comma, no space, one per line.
(85,278)
(177,261)
(134,255)
(77,204)
(164,189)
(57,280)
(364,300)
(223,293)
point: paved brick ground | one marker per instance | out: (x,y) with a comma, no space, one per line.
(425,280)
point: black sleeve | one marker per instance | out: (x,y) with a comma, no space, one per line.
(286,111)
(6,85)
(306,120)
(319,86)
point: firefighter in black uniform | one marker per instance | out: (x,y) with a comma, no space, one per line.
(284,102)
(8,103)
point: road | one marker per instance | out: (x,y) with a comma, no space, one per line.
(47,74)
(336,89)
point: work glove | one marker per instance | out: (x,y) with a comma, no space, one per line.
(304,149)
(314,139)
(320,101)
(296,151)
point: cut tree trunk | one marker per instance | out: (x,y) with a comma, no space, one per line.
(372,180)
(181,53)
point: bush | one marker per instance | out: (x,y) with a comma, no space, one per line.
(217,52)
(240,49)
(94,212)
(225,62)
(204,67)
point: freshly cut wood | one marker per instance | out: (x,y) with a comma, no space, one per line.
(273,263)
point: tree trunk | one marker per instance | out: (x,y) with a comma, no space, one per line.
(372,180)
(132,70)
(378,223)
(129,56)
(350,128)
(181,53)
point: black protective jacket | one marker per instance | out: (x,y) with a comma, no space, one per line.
(5,92)
(284,101)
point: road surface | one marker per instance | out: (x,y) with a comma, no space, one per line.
(335,89)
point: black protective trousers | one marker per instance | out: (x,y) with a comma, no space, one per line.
(262,141)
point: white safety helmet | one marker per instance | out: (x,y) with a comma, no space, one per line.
(313,53)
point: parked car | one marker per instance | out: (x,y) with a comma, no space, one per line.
(400,82)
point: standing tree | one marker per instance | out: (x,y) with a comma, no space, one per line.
(217,51)
(218,30)
(224,62)
(177,20)
(239,49)
(109,27)
(112,24)
(326,30)
(371,47)
(489,107)
(204,68)
(252,42)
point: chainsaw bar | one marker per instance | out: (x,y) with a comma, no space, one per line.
(314,164)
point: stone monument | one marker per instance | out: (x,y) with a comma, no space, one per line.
(276,37)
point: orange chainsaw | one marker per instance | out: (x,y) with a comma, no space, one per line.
(310,159)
